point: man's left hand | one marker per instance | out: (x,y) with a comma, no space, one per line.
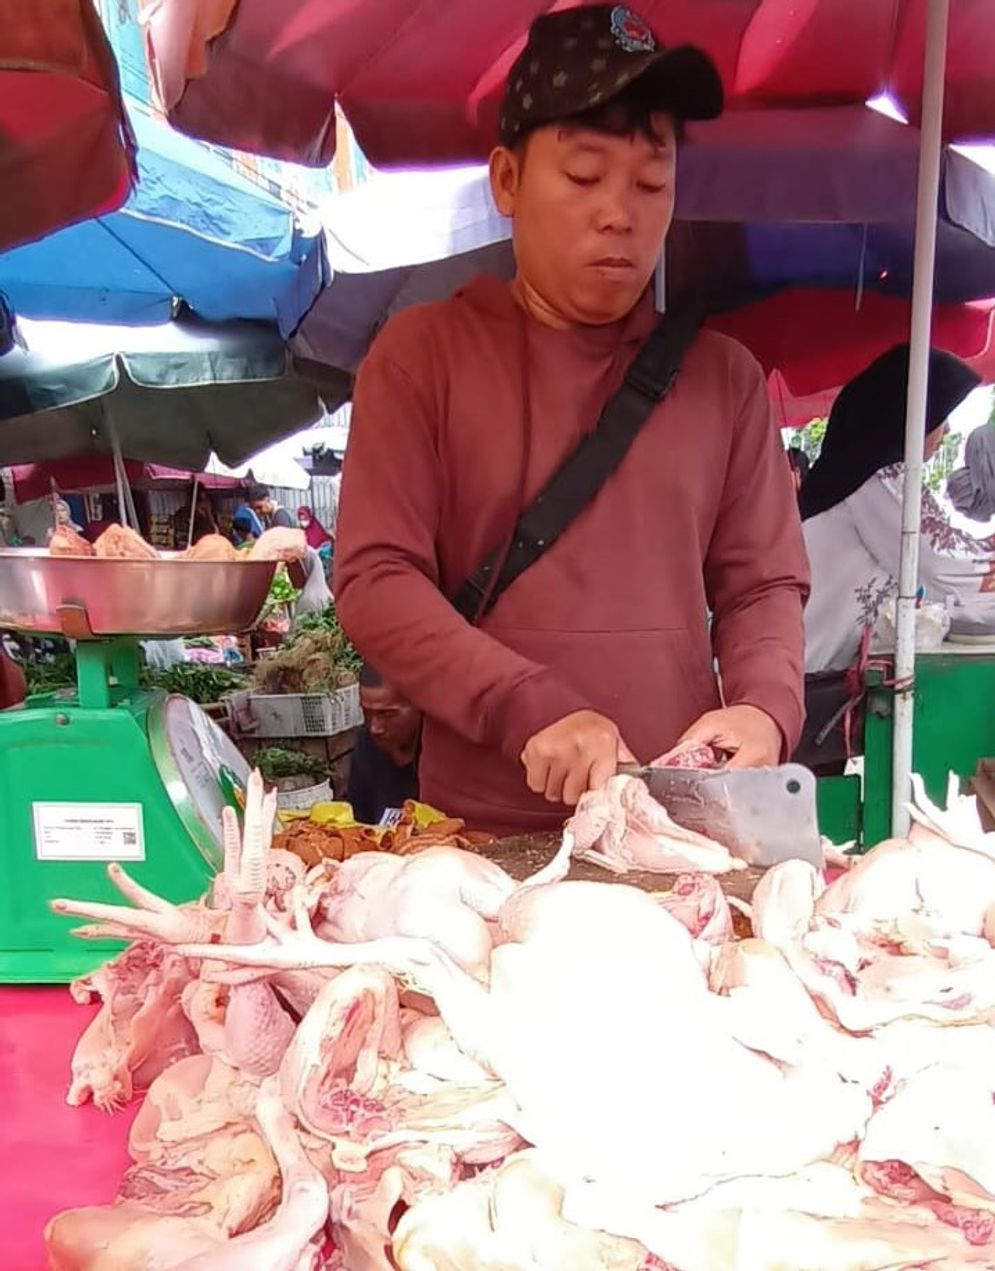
(746,733)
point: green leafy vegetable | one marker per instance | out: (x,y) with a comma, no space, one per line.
(50,675)
(202,682)
(274,762)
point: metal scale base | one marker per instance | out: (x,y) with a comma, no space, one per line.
(111,774)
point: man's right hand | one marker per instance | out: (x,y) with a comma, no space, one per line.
(579,752)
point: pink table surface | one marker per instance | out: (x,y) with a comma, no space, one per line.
(52,1157)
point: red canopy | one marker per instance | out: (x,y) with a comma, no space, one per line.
(65,147)
(420,82)
(96,472)
(810,342)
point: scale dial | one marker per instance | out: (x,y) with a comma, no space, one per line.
(200,766)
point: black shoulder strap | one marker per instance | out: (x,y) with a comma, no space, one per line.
(579,478)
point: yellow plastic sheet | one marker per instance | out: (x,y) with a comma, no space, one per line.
(340,815)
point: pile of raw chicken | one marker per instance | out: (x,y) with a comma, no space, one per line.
(414,1062)
(120,542)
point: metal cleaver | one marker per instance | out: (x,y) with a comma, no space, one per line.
(762,815)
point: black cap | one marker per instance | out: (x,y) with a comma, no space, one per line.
(579,59)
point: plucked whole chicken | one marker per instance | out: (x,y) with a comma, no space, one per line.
(119,542)
(417,1063)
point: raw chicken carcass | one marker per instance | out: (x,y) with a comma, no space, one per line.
(336,1064)
(66,542)
(694,755)
(622,827)
(583,972)
(817,1219)
(869,975)
(120,542)
(277,544)
(201,1175)
(139,1030)
(922,883)
(509,1218)
(940,1124)
(443,894)
(699,903)
(212,547)
(365,1207)
(291,1239)
(564,1008)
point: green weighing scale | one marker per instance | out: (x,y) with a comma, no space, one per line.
(111,772)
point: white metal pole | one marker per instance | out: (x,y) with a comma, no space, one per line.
(930,147)
(660,282)
(193,509)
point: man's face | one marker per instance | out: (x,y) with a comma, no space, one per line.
(392,721)
(262,507)
(591,212)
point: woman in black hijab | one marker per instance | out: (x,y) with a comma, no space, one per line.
(866,430)
(851,506)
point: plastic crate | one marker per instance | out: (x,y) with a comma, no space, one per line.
(302,714)
(304,799)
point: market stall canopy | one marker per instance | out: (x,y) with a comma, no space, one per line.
(275,466)
(194,230)
(814,341)
(831,209)
(91,474)
(420,83)
(65,148)
(170,394)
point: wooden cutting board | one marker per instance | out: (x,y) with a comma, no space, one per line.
(524,855)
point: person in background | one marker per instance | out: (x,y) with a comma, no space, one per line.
(243,532)
(268,510)
(13,683)
(204,520)
(384,770)
(314,596)
(971,488)
(63,520)
(851,508)
(799,465)
(315,533)
(317,536)
(600,650)
(246,513)
(108,516)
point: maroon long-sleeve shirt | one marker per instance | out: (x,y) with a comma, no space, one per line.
(462,411)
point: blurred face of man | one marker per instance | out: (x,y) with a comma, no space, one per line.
(392,720)
(591,211)
(262,507)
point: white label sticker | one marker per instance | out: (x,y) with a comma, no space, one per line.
(89,831)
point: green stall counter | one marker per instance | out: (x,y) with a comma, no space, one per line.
(954,728)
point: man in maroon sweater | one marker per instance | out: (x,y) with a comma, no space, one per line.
(464,409)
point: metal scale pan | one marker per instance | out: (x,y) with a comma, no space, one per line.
(86,597)
(113,772)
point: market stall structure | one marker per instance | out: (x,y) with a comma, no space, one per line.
(603,954)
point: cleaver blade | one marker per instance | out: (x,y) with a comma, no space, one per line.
(762,815)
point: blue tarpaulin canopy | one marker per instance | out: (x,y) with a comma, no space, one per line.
(194,230)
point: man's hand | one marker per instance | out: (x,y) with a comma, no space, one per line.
(579,752)
(746,733)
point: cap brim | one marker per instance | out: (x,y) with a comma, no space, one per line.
(683,81)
